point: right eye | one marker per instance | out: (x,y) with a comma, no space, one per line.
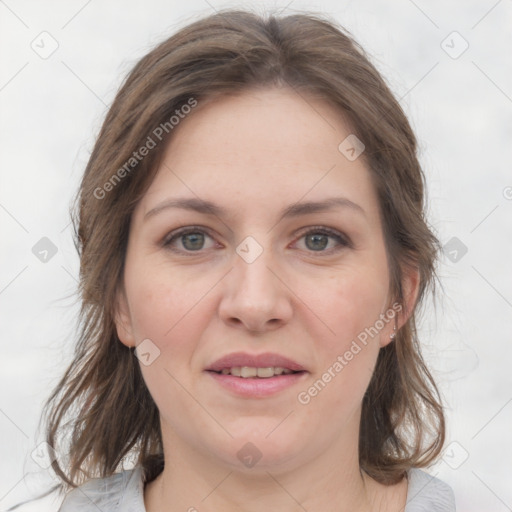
(189,239)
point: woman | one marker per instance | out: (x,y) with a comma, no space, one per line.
(253,256)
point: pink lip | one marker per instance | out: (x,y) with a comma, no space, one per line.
(255,387)
(267,360)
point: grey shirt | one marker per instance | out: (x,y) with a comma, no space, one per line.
(124,492)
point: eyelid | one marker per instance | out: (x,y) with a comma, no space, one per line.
(186,229)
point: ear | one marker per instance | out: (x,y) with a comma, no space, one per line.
(410,289)
(123,319)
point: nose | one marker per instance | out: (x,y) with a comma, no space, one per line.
(255,297)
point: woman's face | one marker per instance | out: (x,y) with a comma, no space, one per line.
(258,245)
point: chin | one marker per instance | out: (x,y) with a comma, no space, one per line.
(265,449)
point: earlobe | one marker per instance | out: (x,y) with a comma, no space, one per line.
(123,320)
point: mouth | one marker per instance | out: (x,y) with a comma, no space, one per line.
(248,372)
(263,366)
(256,376)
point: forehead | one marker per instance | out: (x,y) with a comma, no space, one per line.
(262,147)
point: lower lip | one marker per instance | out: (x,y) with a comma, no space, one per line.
(257,387)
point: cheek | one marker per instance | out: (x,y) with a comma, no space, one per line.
(172,311)
(351,305)
(168,306)
(350,302)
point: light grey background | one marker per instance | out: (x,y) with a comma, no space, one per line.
(51,110)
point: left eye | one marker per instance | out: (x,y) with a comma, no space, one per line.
(320,240)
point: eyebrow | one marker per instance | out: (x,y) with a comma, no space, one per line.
(294,210)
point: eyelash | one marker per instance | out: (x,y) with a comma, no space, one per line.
(343,241)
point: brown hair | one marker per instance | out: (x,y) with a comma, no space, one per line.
(101,412)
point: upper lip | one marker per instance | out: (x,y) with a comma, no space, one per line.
(266,360)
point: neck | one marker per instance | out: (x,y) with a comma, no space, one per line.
(191,481)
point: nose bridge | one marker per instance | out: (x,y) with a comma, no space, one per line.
(255,284)
(255,276)
(254,297)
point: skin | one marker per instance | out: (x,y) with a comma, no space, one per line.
(255,154)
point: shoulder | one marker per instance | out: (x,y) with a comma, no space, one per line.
(121,492)
(427,493)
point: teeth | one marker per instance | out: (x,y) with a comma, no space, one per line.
(247,372)
(265,372)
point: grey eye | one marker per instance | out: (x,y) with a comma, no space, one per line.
(188,240)
(323,240)
(317,241)
(193,241)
